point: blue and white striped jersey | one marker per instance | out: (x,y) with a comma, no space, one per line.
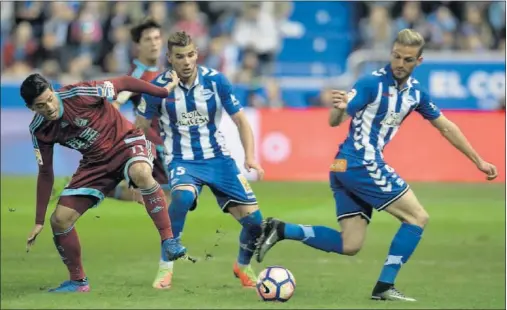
(378,108)
(189,118)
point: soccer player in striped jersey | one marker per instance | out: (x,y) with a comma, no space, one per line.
(360,178)
(197,154)
(80,117)
(148,41)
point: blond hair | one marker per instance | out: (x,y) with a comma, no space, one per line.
(409,37)
(180,39)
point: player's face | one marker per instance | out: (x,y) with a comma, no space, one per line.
(404,59)
(150,44)
(183,60)
(47,105)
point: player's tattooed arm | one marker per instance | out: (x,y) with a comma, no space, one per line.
(455,136)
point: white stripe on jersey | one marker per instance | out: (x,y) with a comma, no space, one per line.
(391,108)
(181,108)
(405,107)
(218,117)
(204,135)
(368,116)
(164,122)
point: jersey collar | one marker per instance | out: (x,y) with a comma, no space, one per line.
(138,63)
(392,80)
(57,95)
(198,81)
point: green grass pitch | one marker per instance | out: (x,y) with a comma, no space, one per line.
(459,264)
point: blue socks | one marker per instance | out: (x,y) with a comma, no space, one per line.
(318,237)
(181,202)
(248,236)
(404,243)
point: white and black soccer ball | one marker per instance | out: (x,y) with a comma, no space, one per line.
(275,283)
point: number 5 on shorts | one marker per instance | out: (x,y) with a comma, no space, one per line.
(179,171)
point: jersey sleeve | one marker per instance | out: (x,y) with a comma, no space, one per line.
(149,106)
(361,94)
(427,108)
(45,179)
(229,101)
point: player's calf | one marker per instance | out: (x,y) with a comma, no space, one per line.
(414,218)
(153,197)
(67,242)
(250,217)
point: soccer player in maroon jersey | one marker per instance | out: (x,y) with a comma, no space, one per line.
(148,40)
(79,117)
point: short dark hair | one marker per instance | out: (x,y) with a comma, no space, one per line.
(32,87)
(137,31)
(180,38)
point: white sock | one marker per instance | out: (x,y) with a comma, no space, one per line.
(169,265)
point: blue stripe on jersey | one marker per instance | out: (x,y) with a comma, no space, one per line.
(212,127)
(37,121)
(195,141)
(173,119)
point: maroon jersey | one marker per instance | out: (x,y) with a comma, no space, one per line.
(148,74)
(87,123)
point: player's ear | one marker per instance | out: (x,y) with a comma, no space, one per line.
(168,55)
(419,60)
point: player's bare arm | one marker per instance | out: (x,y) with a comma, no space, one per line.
(338,113)
(122,98)
(454,135)
(142,123)
(247,140)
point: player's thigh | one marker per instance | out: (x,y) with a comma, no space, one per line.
(239,211)
(347,204)
(185,175)
(134,160)
(408,209)
(374,183)
(229,185)
(70,209)
(93,181)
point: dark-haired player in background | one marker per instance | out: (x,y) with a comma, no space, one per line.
(148,40)
(79,117)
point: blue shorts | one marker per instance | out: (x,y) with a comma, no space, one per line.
(359,187)
(220,174)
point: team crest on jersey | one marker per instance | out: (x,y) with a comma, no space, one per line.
(38,157)
(64,124)
(106,90)
(142,105)
(409,100)
(81,122)
(206,94)
(392,120)
(245,184)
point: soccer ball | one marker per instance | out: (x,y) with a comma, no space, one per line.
(275,283)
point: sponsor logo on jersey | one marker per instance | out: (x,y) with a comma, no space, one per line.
(339,165)
(81,122)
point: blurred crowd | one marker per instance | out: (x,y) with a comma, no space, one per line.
(446,25)
(74,40)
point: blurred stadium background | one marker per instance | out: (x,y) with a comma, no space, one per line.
(283,58)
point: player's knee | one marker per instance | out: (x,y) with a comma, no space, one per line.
(182,200)
(421,218)
(352,244)
(141,175)
(63,218)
